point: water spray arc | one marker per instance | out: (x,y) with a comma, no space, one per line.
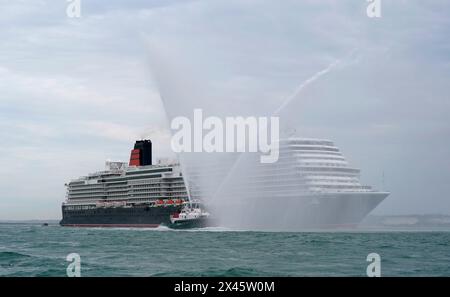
(282,106)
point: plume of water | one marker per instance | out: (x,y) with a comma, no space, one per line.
(282,106)
(223,180)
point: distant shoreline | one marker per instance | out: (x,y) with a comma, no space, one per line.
(53,221)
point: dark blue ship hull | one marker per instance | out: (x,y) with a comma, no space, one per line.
(135,216)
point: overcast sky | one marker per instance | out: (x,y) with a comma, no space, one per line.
(77,91)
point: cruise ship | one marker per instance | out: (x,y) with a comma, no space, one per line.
(137,194)
(310,186)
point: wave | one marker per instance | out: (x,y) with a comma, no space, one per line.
(159,228)
(230,272)
(12,256)
(206,229)
(165,228)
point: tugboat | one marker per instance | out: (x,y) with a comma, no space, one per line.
(190,216)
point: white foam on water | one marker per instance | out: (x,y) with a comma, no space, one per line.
(208,229)
(159,228)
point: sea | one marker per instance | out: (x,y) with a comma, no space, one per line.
(31,249)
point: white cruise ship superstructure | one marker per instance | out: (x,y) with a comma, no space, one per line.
(138,194)
(311,185)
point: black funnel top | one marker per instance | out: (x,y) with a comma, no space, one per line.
(145,151)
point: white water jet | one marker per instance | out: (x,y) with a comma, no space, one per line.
(217,178)
(285,103)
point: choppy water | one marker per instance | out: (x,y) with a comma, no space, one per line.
(33,250)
